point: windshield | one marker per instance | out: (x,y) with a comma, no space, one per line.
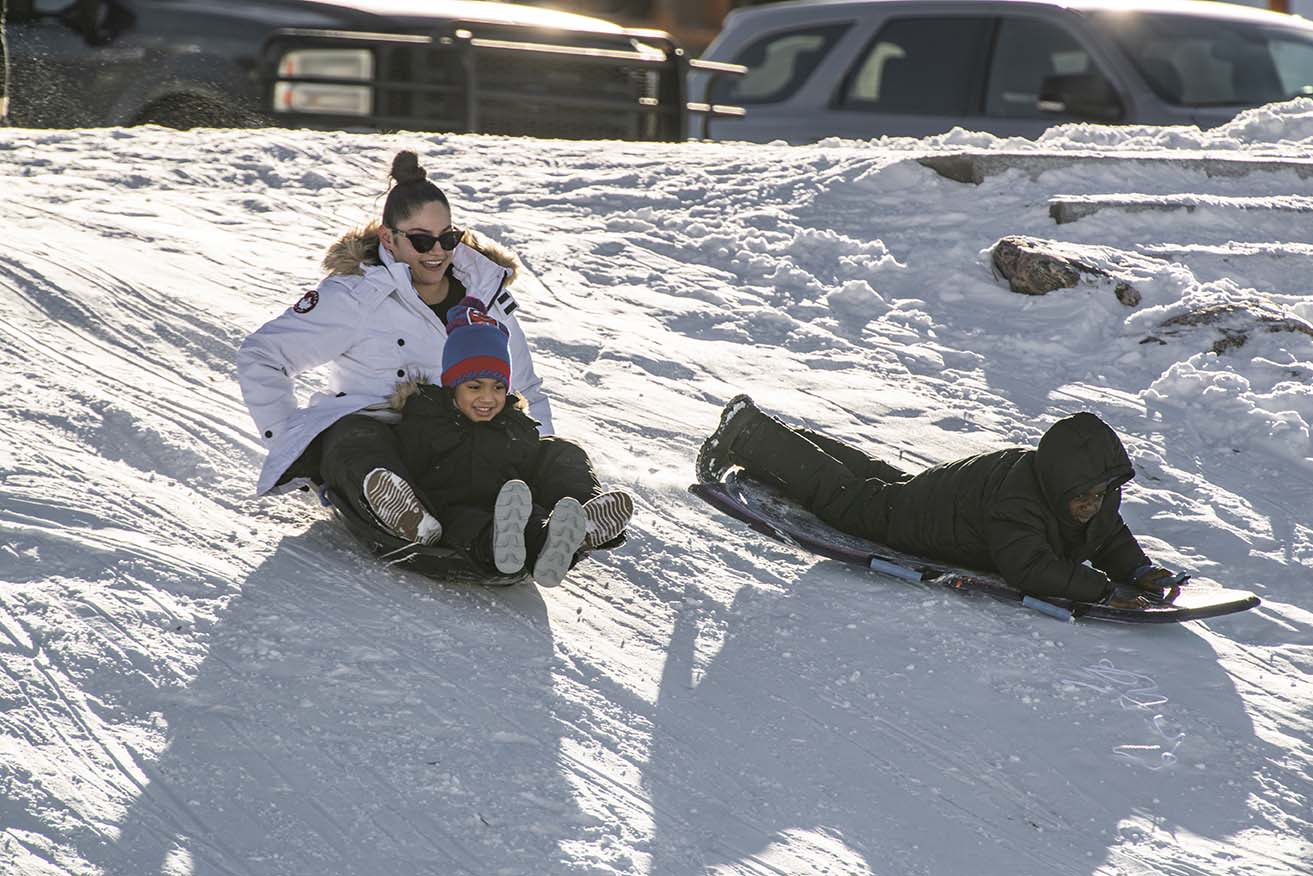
(1193,61)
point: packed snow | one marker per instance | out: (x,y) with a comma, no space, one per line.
(198,683)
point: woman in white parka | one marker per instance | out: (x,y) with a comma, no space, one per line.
(376,320)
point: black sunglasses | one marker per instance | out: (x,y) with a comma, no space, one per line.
(422,241)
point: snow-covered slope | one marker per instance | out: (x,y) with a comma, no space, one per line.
(199,683)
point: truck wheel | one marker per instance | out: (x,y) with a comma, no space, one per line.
(185,111)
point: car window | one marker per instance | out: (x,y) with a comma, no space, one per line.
(920,66)
(1026,51)
(1196,61)
(1294,60)
(778,65)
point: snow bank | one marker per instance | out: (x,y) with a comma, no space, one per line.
(1271,130)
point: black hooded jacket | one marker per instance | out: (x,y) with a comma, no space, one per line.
(1007,511)
(458,465)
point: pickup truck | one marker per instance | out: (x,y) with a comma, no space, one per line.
(420,65)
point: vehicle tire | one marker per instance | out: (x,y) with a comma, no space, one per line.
(184,111)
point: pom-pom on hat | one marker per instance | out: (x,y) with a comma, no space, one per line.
(477,345)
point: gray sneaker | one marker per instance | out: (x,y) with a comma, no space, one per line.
(398,509)
(509,516)
(714,457)
(565,533)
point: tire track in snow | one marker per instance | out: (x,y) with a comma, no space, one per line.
(70,719)
(133,372)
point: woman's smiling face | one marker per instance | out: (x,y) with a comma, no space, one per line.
(426,268)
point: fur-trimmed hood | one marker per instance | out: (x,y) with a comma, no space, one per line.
(411,386)
(358,249)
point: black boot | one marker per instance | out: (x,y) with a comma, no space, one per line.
(714,460)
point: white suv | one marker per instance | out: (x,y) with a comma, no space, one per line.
(867,68)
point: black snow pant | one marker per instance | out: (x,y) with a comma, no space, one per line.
(563,469)
(350,449)
(838,483)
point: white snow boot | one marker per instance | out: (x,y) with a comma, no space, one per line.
(607,516)
(509,515)
(398,509)
(565,533)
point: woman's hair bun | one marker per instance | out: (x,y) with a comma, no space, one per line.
(406,169)
(412,191)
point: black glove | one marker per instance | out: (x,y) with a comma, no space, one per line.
(1152,585)
(1151,577)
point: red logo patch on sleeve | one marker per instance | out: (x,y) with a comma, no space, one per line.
(477,318)
(307,302)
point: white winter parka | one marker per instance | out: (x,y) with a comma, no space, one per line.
(372,331)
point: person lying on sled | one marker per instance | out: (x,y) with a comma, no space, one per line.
(485,480)
(1034,516)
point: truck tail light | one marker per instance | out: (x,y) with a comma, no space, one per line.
(324,97)
(310,97)
(327,64)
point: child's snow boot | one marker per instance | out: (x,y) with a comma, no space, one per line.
(398,509)
(565,534)
(509,515)
(607,516)
(714,458)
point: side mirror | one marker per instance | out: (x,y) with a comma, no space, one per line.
(1084,95)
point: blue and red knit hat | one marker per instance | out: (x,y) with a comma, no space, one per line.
(477,345)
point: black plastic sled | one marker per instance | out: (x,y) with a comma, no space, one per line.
(769,512)
(441,563)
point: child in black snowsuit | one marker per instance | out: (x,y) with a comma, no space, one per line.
(1035,516)
(483,471)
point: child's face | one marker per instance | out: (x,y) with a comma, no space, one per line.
(480,399)
(1086,505)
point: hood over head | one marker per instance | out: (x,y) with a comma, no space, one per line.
(1076,454)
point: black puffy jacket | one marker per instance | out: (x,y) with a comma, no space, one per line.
(1007,511)
(458,465)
